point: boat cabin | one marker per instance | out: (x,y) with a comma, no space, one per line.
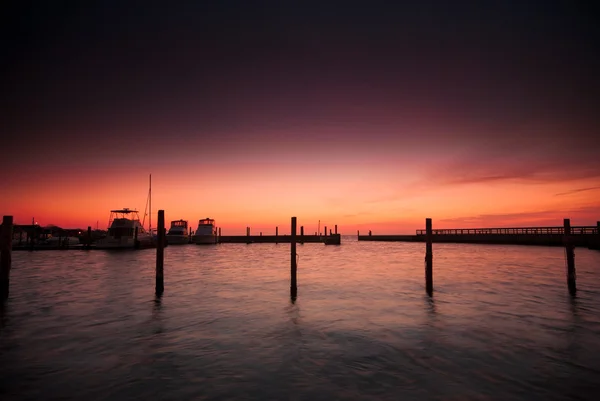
(206,222)
(123,222)
(206,227)
(178,227)
(179,224)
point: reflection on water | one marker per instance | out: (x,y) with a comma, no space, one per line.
(501,325)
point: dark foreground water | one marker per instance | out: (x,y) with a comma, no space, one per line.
(85,325)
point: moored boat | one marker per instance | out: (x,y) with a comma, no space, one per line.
(178,233)
(125,231)
(206,232)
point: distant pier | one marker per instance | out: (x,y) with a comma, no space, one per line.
(582,236)
(273,239)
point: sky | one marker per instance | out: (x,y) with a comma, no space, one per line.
(370,115)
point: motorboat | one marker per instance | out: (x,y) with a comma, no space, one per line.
(125,231)
(206,233)
(178,233)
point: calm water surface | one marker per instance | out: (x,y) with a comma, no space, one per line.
(501,325)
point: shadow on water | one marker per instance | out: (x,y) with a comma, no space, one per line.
(3,315)
(430,306)
(157,315)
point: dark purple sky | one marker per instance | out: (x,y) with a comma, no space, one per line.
(363,79)
(448,109)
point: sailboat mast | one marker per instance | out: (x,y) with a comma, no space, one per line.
(150,207)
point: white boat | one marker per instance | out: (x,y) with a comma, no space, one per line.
(57,241)
(206,232)
(178,233)
(125,231)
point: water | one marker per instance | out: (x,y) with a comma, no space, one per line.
(501,325)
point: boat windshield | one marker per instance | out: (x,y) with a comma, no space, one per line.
(179,223)
(118,232)
(206,222)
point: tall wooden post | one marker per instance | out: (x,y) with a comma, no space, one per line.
(335,229)
(568,241)
(89,236)
(160,253)
(276,234)
(428,257)
(325,231)
(5,256)
(302,234)
(357,233)
(369,233)
(293,283)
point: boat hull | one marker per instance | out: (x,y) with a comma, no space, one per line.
(178,239)
(124,243)
(204,239)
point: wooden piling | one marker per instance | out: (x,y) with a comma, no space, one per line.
(570,250)
(89,237)
(370,233)
(294,266)
(325,231)
(428,257)
(5,256)
(160,253)
(335,227)
(302,234)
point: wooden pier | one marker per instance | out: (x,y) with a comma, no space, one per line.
(582,236)
(274,239)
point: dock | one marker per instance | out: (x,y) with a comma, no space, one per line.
(274,239)
(582,236)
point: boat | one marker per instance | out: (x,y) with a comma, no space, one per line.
(178,233)
(206,232)
(52,241)
(125,231)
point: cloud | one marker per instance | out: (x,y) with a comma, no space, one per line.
(482,171)
(585,214)
(574,191)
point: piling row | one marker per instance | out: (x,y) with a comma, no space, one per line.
(6,259)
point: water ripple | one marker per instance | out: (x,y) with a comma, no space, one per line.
(501,326)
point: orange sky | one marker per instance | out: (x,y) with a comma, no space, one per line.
(371,117)
(380,198)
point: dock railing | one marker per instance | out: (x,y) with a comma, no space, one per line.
(576,230)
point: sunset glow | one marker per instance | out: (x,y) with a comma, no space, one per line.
(369,124)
